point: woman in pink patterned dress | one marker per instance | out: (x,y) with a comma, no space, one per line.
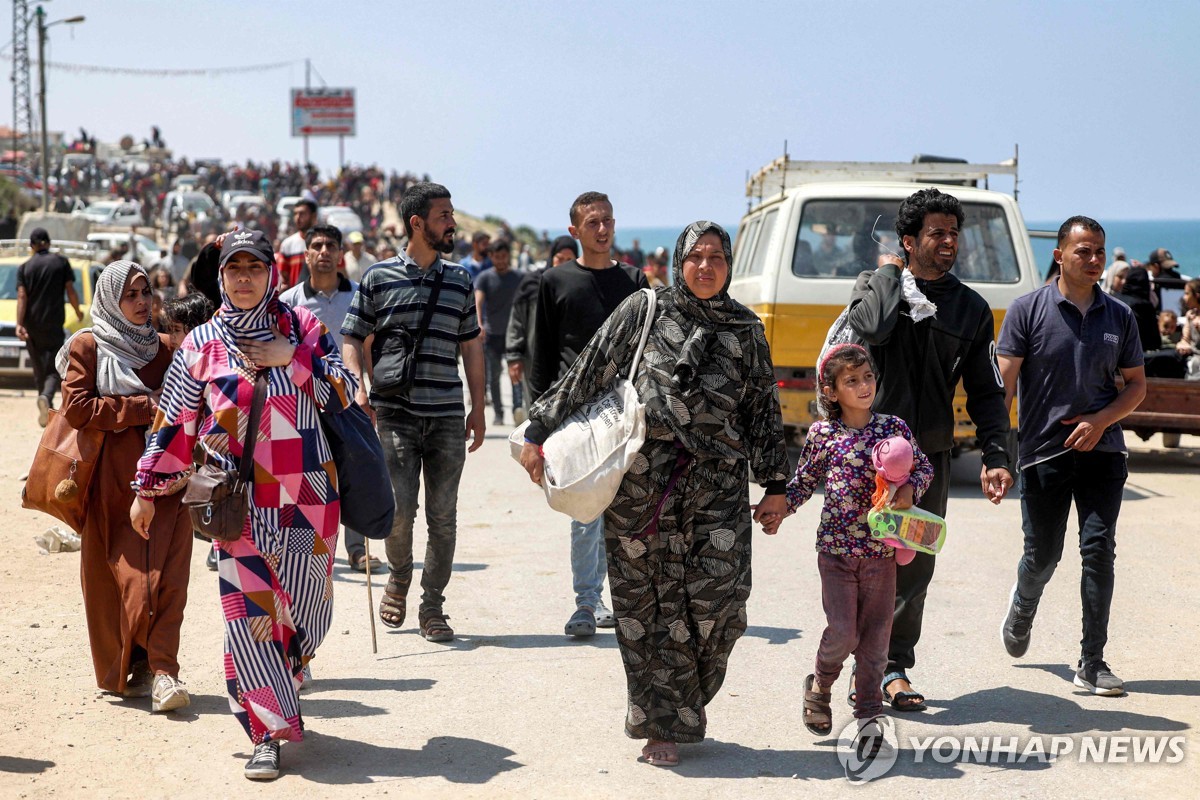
(275,582)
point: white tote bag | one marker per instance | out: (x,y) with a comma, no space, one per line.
(588,455)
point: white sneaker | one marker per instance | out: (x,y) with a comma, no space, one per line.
(519,416)
(43,410)
(169,694)
(306,678)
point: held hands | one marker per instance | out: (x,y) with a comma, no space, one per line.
(141,514)
(278,352)
(1087,433)
(995,483)
(770,512)
(532,461)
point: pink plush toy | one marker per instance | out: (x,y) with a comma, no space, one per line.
(893,462)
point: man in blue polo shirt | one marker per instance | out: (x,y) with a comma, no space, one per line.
(422,429)
(1059,350)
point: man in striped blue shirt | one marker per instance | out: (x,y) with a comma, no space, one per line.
(423,428)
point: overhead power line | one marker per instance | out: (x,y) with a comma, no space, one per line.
(152,72)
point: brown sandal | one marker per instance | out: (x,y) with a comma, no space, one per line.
(818,716)
(393,606)
(661,754)
(435,629)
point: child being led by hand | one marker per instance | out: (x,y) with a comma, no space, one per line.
(858,573)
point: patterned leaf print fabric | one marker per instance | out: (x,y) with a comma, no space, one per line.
(276,581)
(680,593)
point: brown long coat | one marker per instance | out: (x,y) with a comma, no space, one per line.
(134,590)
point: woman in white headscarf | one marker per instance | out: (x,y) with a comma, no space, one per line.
(134,588)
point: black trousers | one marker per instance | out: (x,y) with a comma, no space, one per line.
(1094,482)
(912,579)
(43,347)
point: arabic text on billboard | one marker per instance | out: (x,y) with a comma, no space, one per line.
(323,112)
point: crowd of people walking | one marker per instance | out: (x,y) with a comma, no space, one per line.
(295,337)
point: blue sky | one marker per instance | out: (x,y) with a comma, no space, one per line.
(519,106)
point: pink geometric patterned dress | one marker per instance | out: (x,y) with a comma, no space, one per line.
(276,581)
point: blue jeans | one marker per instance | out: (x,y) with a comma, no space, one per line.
(493,356)
(588,562)
(1095,482)
(433,446)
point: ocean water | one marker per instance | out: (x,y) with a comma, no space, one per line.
(1138,237)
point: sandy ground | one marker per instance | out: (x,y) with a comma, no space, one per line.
(515,709)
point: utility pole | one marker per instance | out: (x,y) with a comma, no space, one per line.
(22,106)
(41,33)
(307,70)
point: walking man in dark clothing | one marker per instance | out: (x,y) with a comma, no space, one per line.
(520,319)
(1060,348)
(495,290)
(921,362)
(41,283)
(574,300)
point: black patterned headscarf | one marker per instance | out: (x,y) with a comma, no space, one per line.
(720,309)
(708,316)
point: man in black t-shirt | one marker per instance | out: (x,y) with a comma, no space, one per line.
(41,282)
(494,292)
(574,300)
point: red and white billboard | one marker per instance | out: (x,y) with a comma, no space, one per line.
(323,112)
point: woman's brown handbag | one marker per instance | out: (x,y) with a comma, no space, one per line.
(61,474)
(219,499)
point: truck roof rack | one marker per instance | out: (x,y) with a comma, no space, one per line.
(66,248)
(784,172)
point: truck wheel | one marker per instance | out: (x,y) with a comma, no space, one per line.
(1170,439)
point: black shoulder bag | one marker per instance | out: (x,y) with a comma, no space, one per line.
(394,351)
(364,483)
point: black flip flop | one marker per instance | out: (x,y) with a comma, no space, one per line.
(900,701)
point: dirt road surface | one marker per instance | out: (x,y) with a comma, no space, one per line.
(513,708)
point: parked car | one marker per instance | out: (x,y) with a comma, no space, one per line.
(117,213)
(283,210)
(185,183)
(20,176)
(341,217)
(14,356)
(196,206)
(148,252)
(242,199)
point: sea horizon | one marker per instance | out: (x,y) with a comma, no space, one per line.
(1138,238)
